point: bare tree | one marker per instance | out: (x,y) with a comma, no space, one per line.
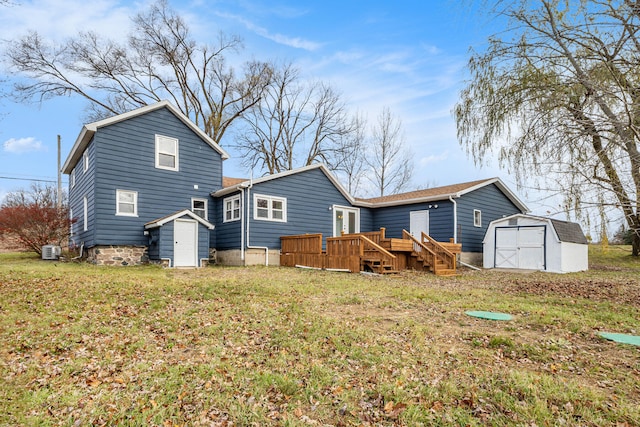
(296,124)
(558,95)
(160,60)
(390,162)
(349,159)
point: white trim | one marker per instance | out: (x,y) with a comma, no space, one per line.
(477,214)
(175,153)
(85,216)
(344,209)
(162,221)
(135,203)
(88,130)
(233,209)
(206,207)
(270,210)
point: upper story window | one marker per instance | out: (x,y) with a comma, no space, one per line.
(72,178)
(166,153)
(85,161)
(126,203)
(199,207)
(269,208)
(477,218)
(231,208)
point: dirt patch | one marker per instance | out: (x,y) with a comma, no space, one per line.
(622,292)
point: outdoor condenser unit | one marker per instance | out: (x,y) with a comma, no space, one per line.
(51,252)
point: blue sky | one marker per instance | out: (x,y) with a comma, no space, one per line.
(407,55)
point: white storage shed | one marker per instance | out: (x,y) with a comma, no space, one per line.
(535,243)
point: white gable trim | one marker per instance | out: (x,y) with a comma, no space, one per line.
(321,166)
(90,129)
(162,221)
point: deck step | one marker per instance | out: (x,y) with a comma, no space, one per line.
(446,272)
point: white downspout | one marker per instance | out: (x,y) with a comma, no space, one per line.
(266,249)
(455,219)
(242,219)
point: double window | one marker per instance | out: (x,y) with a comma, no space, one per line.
(269,208)
(231,209)
(126,203)
(166,153)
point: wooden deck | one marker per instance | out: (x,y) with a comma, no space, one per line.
(370,251)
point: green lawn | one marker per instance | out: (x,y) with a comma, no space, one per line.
(87,345)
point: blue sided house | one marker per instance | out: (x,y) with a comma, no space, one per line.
(148,185)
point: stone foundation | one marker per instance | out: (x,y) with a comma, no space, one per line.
(118,255)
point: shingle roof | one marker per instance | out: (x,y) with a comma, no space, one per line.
(443,191)
(570,232)
(230,182)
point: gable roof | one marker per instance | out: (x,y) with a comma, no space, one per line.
(88,130)
(566,231)
(235,184)
(165,219)
(443,193)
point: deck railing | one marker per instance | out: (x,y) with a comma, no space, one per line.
(303,243)
(422,250)
(442,253)
(375,236)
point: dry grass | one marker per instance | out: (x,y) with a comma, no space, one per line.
(83,345)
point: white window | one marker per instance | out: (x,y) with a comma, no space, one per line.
(85,161)
(166,153)
(85,214)
(231,209)
(72,177)
(269,208)
(126,203)
(477,218)
(199,207)
(71,221)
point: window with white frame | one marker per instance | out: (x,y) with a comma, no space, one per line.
(199,207)
(85,161)
(72,178)
(232,208)
(126,203)
(166,153)
(85,213)
(71,221)
(477,218)
(269,208)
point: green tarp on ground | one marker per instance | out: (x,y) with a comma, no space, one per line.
(490,315)
(621,338)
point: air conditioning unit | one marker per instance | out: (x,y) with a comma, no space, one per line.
(51,252)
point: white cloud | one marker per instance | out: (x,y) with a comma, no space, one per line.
(23,145)
(295,42)
(433,158)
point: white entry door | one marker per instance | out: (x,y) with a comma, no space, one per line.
(520,247)
(185,247)
(345,220)
(418,223)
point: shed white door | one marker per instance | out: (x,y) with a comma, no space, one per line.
(185,247)
(418,223)
(520,247)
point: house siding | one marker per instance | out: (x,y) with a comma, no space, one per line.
(309,196)
(125,153)
(84,187)
(492,203)
(397,218)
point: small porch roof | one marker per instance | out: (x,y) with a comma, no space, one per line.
(165,219)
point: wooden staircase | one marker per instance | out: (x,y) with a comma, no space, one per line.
(432,255)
